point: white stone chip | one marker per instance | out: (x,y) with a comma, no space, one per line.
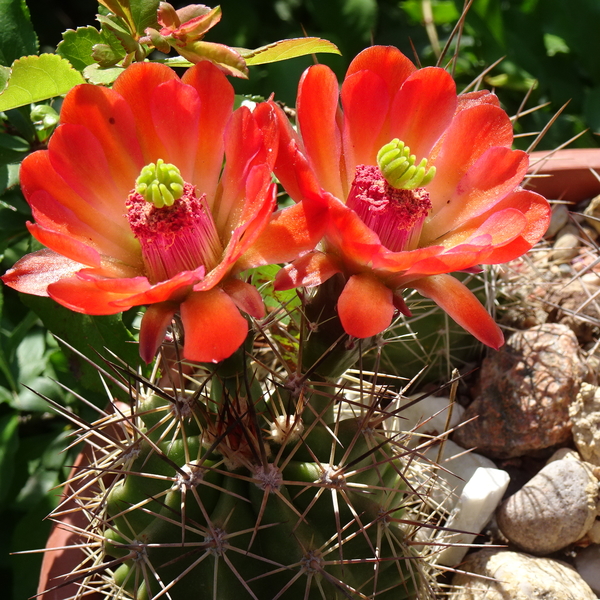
(477,503)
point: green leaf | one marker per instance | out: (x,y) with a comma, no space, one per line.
(286,49)
(143,13)
(9,441)
(17,37)
(77,45)
(4,77)
(89,335)
(9,177)
(12,148)
(36,78)
(95,74)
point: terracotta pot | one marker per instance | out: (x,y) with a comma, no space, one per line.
(568,174)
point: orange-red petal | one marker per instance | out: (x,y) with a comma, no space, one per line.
(365,306)
(366,102)
(497,172)
(307,271)
(136,84)
(318,110)
(214,328)
(245,296)
(423,109)
(472,132)
(216,103)
(462,305)
(153,328)
(388,62)
(290,232)
(33,273)
(110,119)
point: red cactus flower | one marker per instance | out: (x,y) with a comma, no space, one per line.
(420,182)
(134,210)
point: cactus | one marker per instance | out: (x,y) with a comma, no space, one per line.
(256,478)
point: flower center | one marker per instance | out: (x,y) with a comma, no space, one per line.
(160,183)
(396,216)
(398,167)
(390,198)
(175,228)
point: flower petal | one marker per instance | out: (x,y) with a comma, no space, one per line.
(500,227)
(290,232)
(214,328)
(244,148)
(175,111)
(462,305)
(83,296)
(309,270)
(135,85)
(423,109)
(216,104)
(366,102)
(365,306)
(245,296)
(78,157)
(66,245)
(292,167)
(537,213)
(497,172)
(155,322)
(53,216)
(110,120)
(318,110)
(36,271)
(49,194)
(472,132)
(388,62)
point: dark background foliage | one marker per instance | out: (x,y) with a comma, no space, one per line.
(550,45)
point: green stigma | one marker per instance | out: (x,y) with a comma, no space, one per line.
(160,183)
(398,167)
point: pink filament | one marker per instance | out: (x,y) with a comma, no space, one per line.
(396,216)
(178,238)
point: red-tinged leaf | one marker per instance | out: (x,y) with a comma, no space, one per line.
(224,57)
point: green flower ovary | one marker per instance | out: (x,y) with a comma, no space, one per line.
(160,183)
(398,167)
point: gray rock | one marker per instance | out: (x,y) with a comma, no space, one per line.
(524,393)
(560,217)
(554,509)
(566,245)
(517,576)
(592,213)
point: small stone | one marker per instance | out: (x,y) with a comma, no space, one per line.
(474,508)
(554,509)
(430,416)
(592,213)
(524,393)
(516,576)
(564,454)
(458,466)
(566,246)
(585,416)
(560,217)
(587,563)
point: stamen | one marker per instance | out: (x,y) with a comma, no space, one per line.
(398,167)
(176,238)
(395,215)
(160,183)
